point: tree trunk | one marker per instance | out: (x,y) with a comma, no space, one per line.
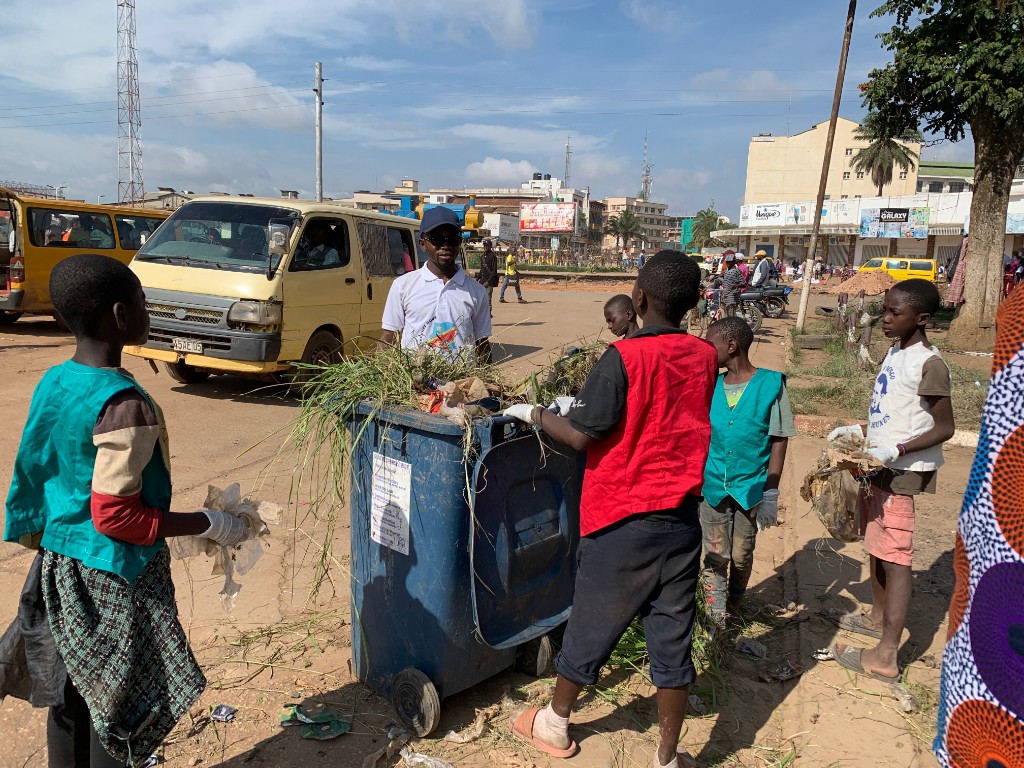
(997,149)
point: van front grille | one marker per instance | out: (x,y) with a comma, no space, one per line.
(192,314)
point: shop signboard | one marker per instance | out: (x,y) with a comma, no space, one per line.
(799,213)
(744,215)
(1014,224)
(770,213)
(894,223)
(547,217)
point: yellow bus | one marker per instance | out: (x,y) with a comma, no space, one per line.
(36,233)
(248,285)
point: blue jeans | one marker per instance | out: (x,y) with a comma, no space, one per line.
(505,284)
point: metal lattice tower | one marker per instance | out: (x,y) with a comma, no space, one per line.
(646,179)
(568,160)
(129,114)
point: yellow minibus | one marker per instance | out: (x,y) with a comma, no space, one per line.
(36,233)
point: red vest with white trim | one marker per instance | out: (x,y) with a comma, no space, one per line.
(655,457)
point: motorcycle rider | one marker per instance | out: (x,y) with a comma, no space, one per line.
(762,271)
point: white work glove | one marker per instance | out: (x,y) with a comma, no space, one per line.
(225,529)
(884,453)
(521,411)
(850,430)
(562,405)
(767,513)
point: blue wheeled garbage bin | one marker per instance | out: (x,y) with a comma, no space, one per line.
(460,561)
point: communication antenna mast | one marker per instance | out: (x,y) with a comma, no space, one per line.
(129,115)
(568,160)
(646,179)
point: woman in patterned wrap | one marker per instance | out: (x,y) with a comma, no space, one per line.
(981,701)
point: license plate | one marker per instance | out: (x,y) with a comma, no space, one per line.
(187,345)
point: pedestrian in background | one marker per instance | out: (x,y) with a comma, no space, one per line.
(511,278)
(488,274)
(733,283)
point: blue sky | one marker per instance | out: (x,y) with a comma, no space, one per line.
(450,92)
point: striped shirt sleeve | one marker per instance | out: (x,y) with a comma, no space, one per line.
(126,435)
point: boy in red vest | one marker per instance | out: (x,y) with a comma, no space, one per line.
(751,423)
(643,419)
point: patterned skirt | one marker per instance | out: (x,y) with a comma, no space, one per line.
(125,650)
(981,699)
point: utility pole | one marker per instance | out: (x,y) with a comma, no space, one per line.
(812,252)
(646,179)
(319,91)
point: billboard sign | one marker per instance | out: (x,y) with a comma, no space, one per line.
(547,217)
(770,213)
(894,222)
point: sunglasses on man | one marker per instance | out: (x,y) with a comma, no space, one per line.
(437,240)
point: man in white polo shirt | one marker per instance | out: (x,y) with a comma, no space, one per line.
(439,305)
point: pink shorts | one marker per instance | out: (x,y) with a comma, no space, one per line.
(887,524)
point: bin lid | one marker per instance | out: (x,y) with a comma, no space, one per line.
(526,499)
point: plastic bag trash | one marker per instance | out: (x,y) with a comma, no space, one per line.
(832,489)
(696,705)
(752,647)
(476,730)
(228,561)
(415,758)
(824,654)
(907,701)
(786,670)
(397,739)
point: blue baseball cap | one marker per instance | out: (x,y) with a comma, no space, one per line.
(439,216)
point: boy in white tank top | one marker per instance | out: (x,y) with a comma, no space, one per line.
(910,417)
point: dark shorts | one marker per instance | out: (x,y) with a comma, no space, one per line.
(646,566)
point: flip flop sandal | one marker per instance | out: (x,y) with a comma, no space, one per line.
(854,622)
(523,729)
(850,658)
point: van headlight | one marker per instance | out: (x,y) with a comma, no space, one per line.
(255,312)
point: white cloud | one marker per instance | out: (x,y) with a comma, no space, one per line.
(724,80)
(498,172)
(374,64)
(535,141)
(654,14)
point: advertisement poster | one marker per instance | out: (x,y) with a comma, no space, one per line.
(894,223)
(799,213)
(547,217)
(745,215)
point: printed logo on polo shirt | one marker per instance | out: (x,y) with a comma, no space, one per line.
(442,336)
(879,393)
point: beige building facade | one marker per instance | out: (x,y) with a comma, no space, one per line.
(659,230)
(788,168)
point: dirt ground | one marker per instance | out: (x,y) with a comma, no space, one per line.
(276,647)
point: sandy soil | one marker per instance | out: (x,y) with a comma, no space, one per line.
(277,647)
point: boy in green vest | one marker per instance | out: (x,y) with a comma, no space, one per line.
(751,423)
(97,638)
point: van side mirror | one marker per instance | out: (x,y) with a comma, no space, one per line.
(278,234)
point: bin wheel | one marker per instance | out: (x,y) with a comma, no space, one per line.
(534,658)
(416,701)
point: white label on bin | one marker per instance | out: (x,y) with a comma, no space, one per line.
(389,513)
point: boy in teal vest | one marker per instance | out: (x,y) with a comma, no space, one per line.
(97,638)
(751,423)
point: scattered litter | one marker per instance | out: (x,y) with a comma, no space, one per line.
(697,706)
(415,758)
(222,713)
(293,714)
(752,647)
(791,612)
(397,739)
(322,731)
(784,671)
(908,702)
(228,561)
(154,759)
(500,758)
(476,730)
(824,654)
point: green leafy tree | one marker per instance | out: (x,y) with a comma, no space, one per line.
(626,226)
(704,223)
(959,64)
(883,152)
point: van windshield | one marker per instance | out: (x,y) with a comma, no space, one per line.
(873,264)
(215,235)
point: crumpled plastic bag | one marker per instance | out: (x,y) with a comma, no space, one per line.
(229,561)
(462,400)
(833,490)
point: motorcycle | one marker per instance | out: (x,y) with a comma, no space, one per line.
(709,309)
(771,301)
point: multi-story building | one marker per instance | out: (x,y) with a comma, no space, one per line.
(658,229)
(788,168)
(934,177)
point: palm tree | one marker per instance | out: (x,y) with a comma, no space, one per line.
(883,152)
(626,226)
(704,223)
